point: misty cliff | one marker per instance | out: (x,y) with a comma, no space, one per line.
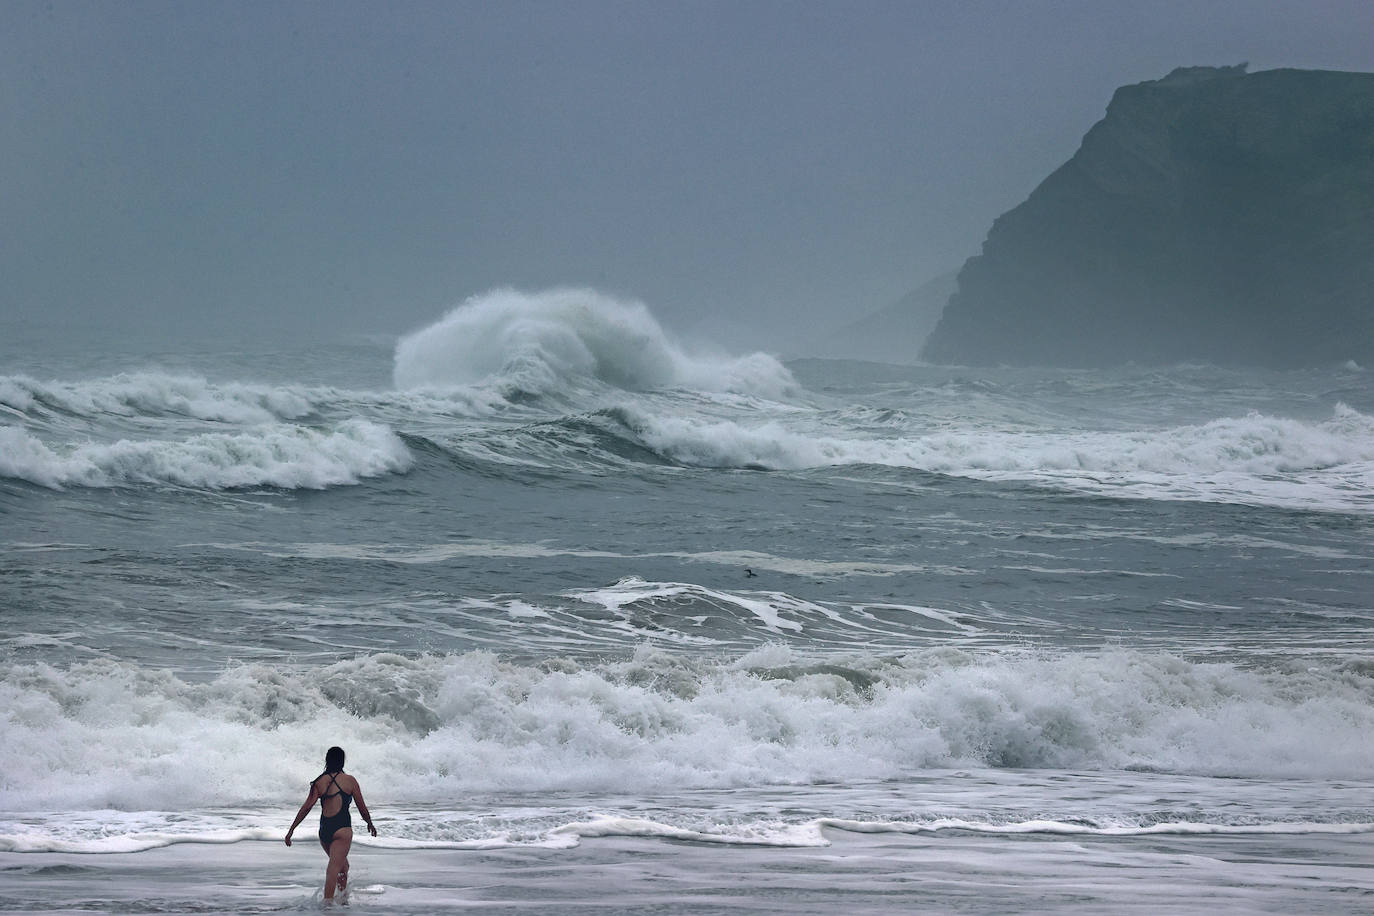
(1211,216)
(893,334)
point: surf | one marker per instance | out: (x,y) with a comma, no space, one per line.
(282,456)
(434,726)
(557,340)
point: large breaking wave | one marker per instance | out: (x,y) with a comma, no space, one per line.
(557,340)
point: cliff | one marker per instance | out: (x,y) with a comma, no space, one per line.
(1211,216)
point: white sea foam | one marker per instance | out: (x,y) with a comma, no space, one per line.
(279,455)
(1254,444)
(158,394)
(552,341)
(114,735)
(82,841)
(804,834)
(1064,828)
(812,832)
(1255,458)
(114,832)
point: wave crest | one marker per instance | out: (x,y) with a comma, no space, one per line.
(154,394)
(547,342)
(290,457)
(1256,458)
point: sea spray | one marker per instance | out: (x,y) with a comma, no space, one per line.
(552,341)
(111,734)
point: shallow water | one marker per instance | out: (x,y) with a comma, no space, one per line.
(861,873)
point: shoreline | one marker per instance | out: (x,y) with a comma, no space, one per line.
(856,873)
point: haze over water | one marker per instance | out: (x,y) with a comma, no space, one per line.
(550,575)
(613,608)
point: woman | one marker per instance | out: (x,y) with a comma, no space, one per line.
(335,789)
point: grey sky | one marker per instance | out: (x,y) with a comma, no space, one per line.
(751,167)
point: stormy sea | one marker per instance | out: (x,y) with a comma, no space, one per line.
(610,622)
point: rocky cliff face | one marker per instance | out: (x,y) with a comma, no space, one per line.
(1211,216)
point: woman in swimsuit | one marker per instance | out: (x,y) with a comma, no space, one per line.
(335,789)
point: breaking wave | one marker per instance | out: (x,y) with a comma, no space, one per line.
(1255,444)
(434,728)
(1256,458)
(154,394)
(285,456)
(553,341)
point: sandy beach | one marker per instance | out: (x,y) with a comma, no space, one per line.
(855,874)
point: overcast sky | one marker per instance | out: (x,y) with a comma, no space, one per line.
(745,168)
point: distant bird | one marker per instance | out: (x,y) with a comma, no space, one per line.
(749,573)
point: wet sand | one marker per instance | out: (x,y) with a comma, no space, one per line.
(885,873)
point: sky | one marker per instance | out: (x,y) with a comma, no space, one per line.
(755,172)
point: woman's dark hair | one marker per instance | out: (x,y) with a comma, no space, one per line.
(333,760)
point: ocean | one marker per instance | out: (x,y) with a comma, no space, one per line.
(609,623)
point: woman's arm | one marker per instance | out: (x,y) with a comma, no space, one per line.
(362,807)
(305,809)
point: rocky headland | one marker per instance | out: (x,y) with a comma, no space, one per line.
(1213,216)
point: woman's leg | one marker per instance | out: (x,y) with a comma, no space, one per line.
(338,860)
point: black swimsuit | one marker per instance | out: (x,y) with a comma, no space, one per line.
(333,823)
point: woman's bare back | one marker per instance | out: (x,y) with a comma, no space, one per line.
(331,793)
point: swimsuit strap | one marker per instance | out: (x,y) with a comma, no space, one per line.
(337,791)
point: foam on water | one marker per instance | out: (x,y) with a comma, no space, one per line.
(1063,828)
(151,394)
(908,699)
(980,801)
(156,830)
(437,727)
(1256,458)
(556,340)
(623,394)
(805,834)
(286,456)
